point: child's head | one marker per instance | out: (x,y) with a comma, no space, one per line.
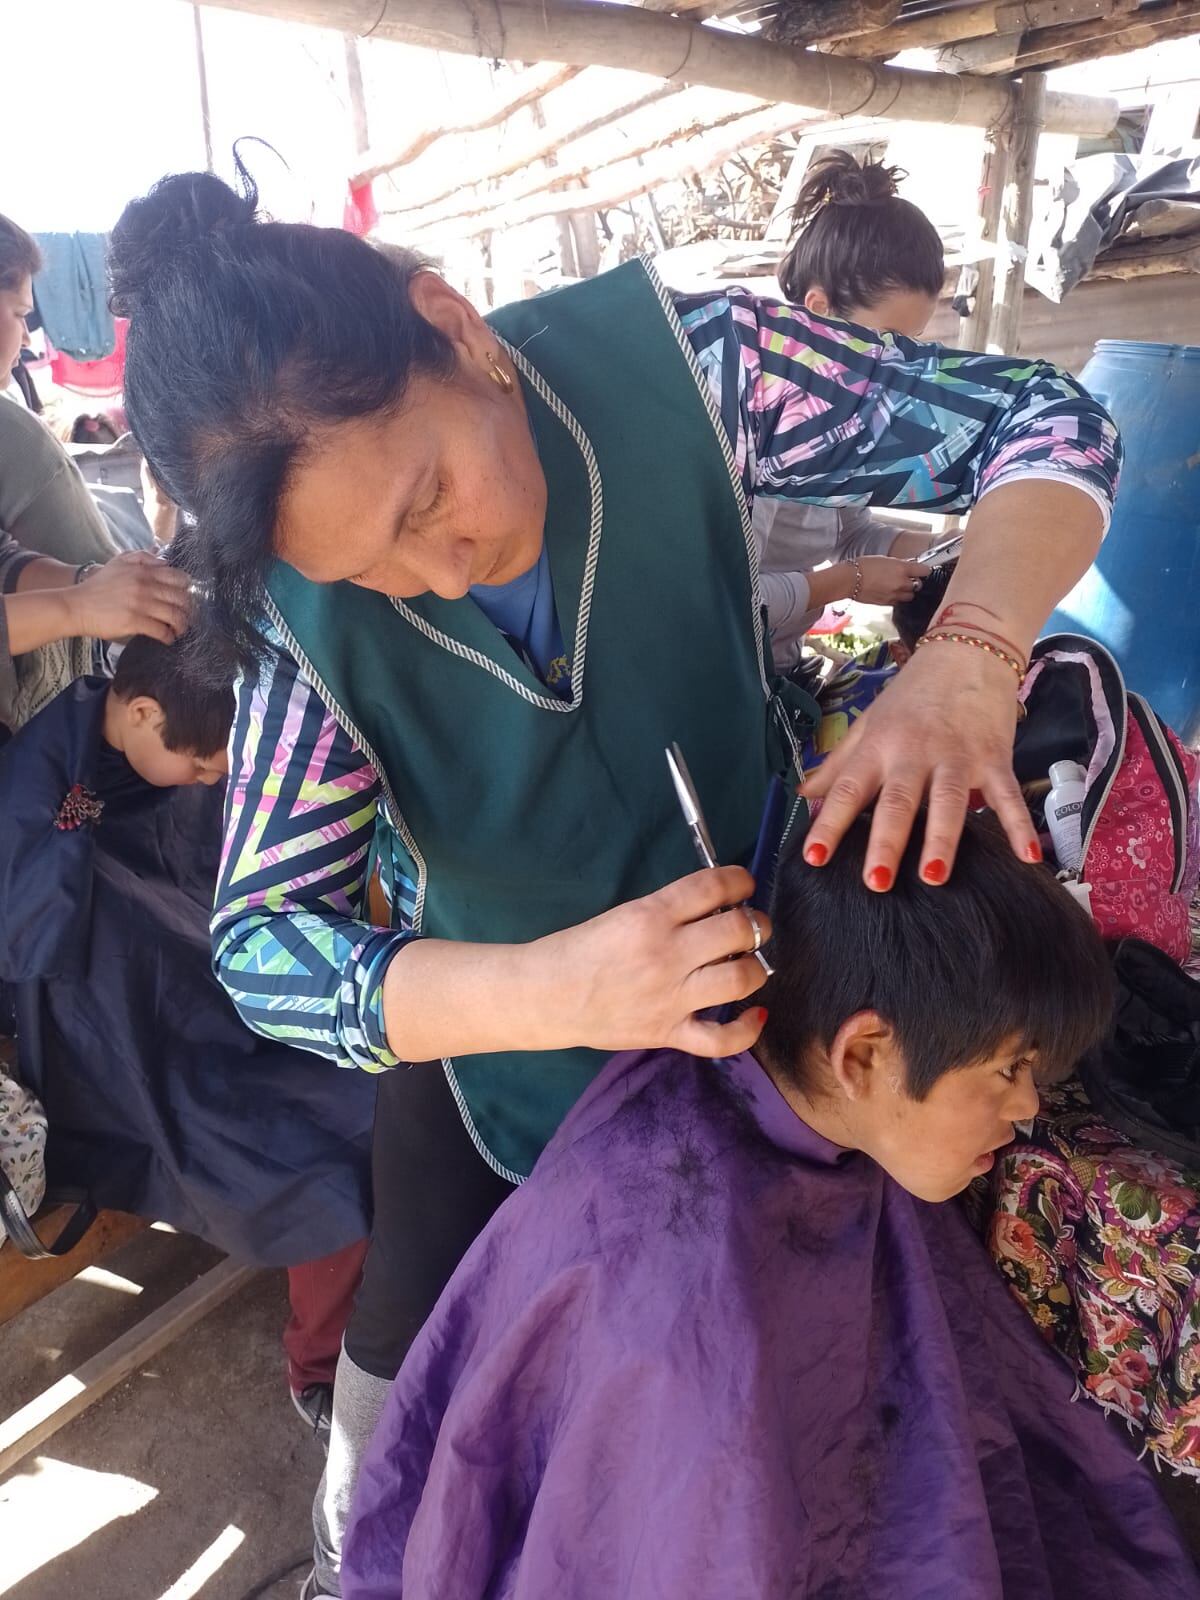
(912,617)
(914,1024)
(861,252)
(171,730)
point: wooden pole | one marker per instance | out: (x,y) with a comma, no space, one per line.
(544,144)
(531,86)
(965,22)
(33,1424)
(841,19)
(562,175)
(357,98)
(586,234)
(1114,37)
(597,33)
(631,179)
(202,83)
(973,330)
(1009,289)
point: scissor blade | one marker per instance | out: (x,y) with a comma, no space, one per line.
(689,800)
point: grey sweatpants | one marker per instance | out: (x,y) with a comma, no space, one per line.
(357,1402)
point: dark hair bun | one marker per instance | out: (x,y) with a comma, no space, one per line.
(839,179)
(179,213)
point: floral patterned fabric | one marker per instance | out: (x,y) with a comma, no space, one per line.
(22,1144)
(1100,1241)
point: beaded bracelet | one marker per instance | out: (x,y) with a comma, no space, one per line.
(858,582)
(1013,663)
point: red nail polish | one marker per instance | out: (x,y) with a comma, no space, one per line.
(816,854)
(1033,851)
(880,879)
(935,871)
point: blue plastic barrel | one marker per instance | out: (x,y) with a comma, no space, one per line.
(1142,596)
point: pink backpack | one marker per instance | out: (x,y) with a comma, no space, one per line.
(1141,817)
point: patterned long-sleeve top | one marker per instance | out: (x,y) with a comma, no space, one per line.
(815,411)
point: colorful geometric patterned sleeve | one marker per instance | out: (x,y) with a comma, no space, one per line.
(824,411)
(300,819)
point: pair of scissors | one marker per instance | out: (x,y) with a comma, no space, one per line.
(938,554)
(689,804)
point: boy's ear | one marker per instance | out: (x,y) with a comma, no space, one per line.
(864,1058)
(143,712)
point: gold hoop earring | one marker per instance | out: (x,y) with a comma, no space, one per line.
(498,375)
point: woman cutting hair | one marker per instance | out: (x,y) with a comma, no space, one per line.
(479,573)
(863,255)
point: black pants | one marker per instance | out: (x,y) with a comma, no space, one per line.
(434,1194)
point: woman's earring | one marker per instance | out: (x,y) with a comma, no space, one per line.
(498,375)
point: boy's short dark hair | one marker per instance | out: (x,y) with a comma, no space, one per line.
(19,255)
(912,617)
(196,717)
(999,952)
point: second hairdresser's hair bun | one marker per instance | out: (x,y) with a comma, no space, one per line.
(177,214)
(839,179)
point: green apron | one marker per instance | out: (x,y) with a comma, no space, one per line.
(519,814)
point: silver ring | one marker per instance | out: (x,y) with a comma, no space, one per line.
(758,933)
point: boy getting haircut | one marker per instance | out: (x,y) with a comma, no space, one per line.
(195,718)
(719,1345)
(170,727)
(999,953)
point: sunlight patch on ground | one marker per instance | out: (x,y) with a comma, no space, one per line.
(105,1279)
(191,1582)
(51,1506)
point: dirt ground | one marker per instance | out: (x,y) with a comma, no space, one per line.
(195,1477)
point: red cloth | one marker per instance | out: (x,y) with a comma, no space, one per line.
(106,376)
(322,1296)
(361,214)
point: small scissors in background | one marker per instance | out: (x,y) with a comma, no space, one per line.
(689,804)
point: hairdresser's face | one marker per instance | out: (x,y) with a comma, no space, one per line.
(933,1147)
(446,493)
(15,306)
(904,311)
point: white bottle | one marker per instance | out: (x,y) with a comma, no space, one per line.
(1064,813)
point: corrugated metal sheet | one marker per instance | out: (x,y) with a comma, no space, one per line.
(1165,309)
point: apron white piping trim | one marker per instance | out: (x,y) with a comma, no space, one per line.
(545,702)
(735,479)
(355,734)
(476,1137)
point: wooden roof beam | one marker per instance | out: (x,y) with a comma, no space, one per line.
(460,202)
(623,181)
(518,94)
(541,143)
(1114,35)
(983,20)
(593,33)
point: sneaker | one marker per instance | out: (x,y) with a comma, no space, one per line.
(315,1405)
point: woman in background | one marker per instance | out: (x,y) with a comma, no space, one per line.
(860,254)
